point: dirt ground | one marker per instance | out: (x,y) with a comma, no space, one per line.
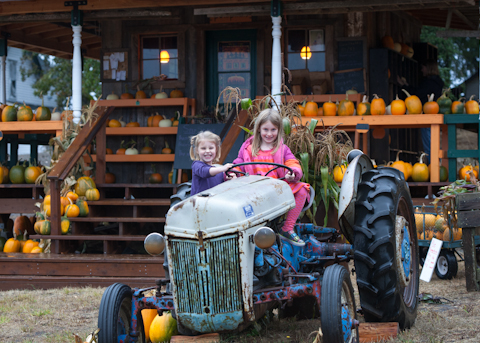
(53,316)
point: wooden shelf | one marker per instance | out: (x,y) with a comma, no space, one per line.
(148,131)
(136,158)
(147,102)
(24,127)
(137,238)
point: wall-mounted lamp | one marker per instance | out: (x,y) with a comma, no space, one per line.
(305,53)
(164,56)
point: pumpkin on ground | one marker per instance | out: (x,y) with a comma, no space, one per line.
(377,106)
(420,171)
(163,328)
(431,107)
(83,184)
(413,103)
(471,106)
(12,245)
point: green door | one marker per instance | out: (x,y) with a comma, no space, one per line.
(231,62)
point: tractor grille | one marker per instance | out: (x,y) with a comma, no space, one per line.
(207,281)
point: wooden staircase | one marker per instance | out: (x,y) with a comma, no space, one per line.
(106,246)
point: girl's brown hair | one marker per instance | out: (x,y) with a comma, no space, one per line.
(204,136)
(274,117)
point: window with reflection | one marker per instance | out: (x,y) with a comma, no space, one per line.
(159,55)
(306,49)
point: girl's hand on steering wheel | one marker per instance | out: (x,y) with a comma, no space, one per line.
(230,176)
(289,176)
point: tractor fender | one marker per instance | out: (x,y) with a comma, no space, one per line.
(358,163)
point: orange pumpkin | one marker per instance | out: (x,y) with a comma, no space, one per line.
(387,42)
(109,178)
(329,108)
(420,171)
(363,108)
(133,124)
(24,113)
(377,107)
(471,106)
(339,172)
(12,245)
(28,246)
(301,108)
(346,107)
(140,94)
(154,120)
(320,111)
(176,93)
(458,106)
(397,107)
(72,196)
(148,315)
(463,175)
(114,123)
(413,103)
(400,165)
(31,174)
(431,107)
(311,109)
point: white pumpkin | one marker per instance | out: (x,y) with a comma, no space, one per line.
(131,151)
(397,47)
(165,123)
(351,91)
(161,95)
(56,116)
(112,96)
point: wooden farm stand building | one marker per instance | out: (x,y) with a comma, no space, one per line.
(211,44)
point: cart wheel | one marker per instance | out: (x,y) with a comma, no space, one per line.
(337,306)
(386,248)
(114,316)
(447,265)
(422,252)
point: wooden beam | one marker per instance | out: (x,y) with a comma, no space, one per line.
(465,19)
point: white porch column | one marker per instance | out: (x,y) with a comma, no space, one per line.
(77,74)
(276,59)
(3,62)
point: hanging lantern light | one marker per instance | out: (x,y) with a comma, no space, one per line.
(305,53)
(164,56)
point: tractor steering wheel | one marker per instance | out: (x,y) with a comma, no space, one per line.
(277,165)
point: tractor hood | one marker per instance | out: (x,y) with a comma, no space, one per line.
(230,207)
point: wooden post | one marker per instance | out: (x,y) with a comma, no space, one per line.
(374,332)
(208,338)
(468,217)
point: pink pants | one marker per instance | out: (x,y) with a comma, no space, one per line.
(294,213)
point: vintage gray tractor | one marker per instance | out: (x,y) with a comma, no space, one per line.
(226,265)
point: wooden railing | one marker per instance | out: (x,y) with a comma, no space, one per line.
(74,152)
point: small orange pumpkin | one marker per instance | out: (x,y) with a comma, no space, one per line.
(339,172)
(397,107)
(377,107)
(311,109)
(329,108)
(25,113)
(133,124)
(363,108)
(471,106)
(346,107)
(431,107)
(458,106)
(154,120)
(387,42)
(110,178)
(420,171)
(140,94)
(466,176)
(413,103)
(176,93)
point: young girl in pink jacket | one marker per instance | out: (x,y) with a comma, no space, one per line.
(267,146)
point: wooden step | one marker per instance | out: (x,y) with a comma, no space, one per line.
(126,238)
(130,202)
(136,185)
(118,219)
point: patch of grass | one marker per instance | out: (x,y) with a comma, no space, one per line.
(4,320)
(59,337)
(41,313)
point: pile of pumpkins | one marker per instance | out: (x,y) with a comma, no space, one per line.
(419,172)
(156,120)
(21,228)
(411,105)
(129,148)
(140,94)
(401,48)
(431,225)
(25,113)
(20,173)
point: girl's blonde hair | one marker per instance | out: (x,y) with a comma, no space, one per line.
(204,136)
(274,117)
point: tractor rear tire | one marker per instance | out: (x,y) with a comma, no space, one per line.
(114,316)
(386,248)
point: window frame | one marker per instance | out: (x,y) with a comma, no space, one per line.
(305,29)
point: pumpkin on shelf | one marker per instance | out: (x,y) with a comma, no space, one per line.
(24,113)
(55,115)
(167,149)
(420,171)
(114,123)
(140,94)
(29,245)
(36,250)
(9,113)
(131,150)
(12,245)
(64,225)
(31,174)
(413,103)
(92,194)
(153,120)
(44,227)
(170,176)
(42,112)
(155,177)
(109,151)
(311,109)
(329,108)
(471,106)
(400,165)
(147,149)
(363,108)
(161,94)
(431,106)
(387,42)
(346,107)
(110,178)
(17,174)
(301,108)
(122,149)
(126,95)
(112,96)
(445,103)
(458,106)
(83,184)
(133,124)
(176,93)
(377,106)
(397,107)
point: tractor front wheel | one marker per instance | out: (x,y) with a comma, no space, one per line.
(115,315)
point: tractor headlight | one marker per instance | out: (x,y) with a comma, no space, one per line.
(154,244)
(264,237)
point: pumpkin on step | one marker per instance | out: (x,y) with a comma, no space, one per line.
(83,184)
(17,174)
(28,246)
(65,226)
(83,207)
(12,245)
(72,210)
(92,194)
